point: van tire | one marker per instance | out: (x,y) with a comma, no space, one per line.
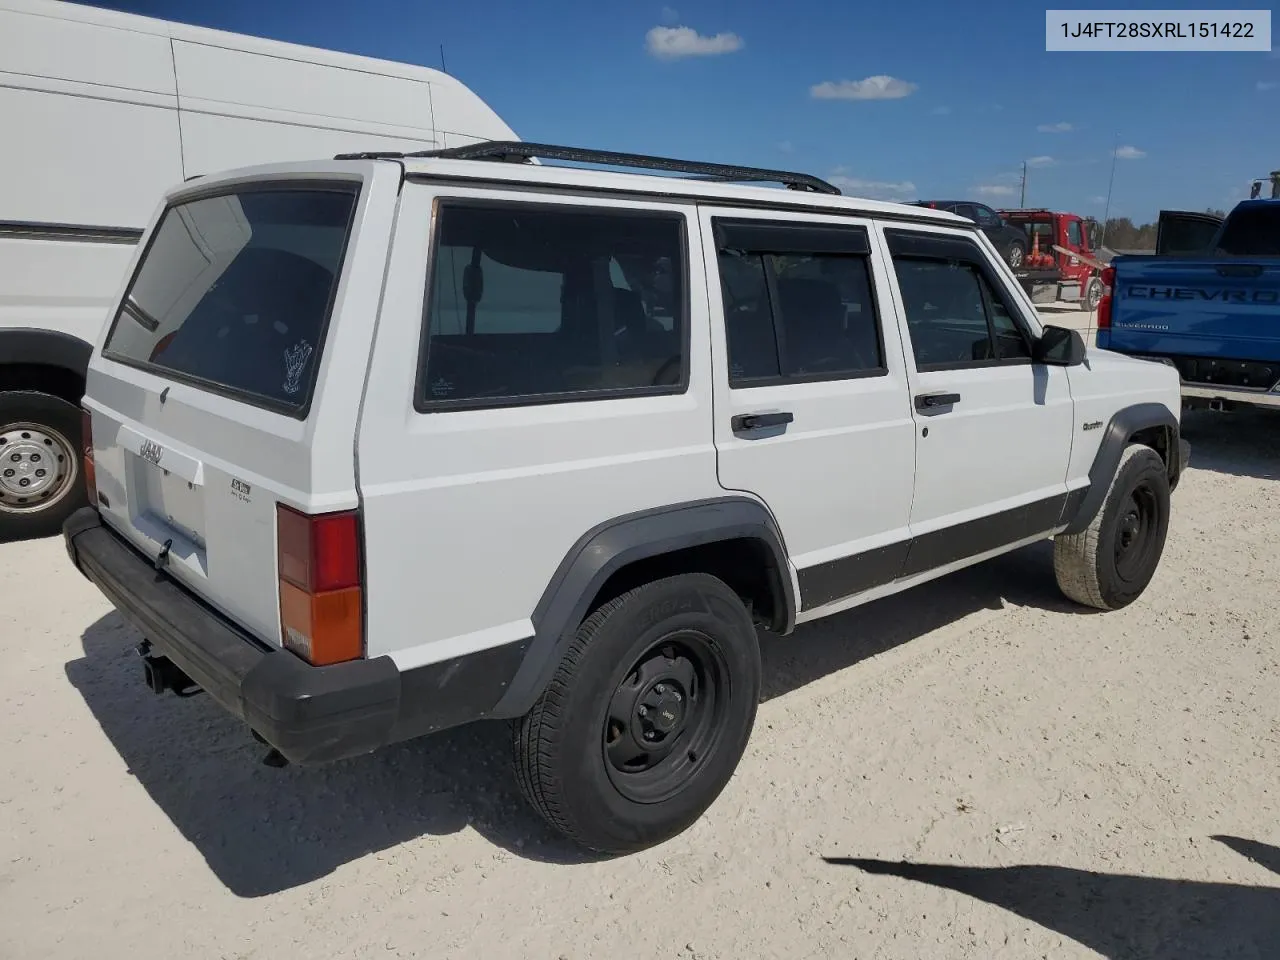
(59,422)
(1110,563)
(676,659)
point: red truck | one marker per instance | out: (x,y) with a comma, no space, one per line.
(1061,261)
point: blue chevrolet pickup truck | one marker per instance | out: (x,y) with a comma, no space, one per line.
(1207,302)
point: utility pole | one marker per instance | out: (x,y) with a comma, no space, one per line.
(1106,211)
(1023,201)
(443,67)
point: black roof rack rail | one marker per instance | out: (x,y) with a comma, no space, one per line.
(516,151)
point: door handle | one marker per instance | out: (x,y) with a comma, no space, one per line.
(754,421)
(931,401)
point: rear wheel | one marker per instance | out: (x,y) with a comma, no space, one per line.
(1092,294)
(1109,564)
(646,718)
(39,464)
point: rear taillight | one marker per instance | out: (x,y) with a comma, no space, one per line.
(321,594)
(1104,302)
(86,456)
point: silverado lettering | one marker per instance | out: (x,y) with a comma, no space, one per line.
(1191,293)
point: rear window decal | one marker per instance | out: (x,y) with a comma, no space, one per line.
(295,361)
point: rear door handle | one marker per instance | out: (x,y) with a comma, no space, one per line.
(754,421)
(931,401)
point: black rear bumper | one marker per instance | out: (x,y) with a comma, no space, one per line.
(310,714)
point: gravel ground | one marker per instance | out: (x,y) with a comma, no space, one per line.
(972,770)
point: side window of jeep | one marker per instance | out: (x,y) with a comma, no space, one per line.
(956,316)
(538,303)
(798,302)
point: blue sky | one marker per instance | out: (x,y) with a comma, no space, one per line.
(896,100)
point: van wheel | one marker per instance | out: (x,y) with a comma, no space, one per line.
(646,717)
(1109,564)
(39,464)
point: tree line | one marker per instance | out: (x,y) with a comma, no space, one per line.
(1123,234)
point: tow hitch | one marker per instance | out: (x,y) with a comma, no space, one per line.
(161,674)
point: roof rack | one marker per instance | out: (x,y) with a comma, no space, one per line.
(515,151)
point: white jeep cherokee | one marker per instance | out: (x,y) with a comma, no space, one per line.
(385,444)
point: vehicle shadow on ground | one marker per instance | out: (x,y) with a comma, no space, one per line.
(1119,915)
(1243,443)
(262,830)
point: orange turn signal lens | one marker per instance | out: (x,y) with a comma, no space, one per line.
(322,628)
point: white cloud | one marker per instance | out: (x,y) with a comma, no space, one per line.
(670,15)
(1265,85)
(879,87)
(873,189)
(669,43)
(1097,201)
(1061,127)
(1040,161)
(1130,153)
(994,190)
(786,146)
(940,111)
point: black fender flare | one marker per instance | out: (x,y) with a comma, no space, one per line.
(45,348)
(1124,423)
(610,546)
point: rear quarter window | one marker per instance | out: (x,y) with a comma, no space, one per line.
(234,292)
(533,303)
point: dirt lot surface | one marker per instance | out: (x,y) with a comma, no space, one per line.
(973,770)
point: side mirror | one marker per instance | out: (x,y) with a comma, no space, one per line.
(1094,234)
(1059,347)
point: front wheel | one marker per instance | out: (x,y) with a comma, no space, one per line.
(39,464)
(1109,564)
(646,718)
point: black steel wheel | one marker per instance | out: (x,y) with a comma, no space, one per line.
(666,714)
(646,717)
(1109,564)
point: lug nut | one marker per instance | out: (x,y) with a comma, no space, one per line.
(644,711)
(661,688)
(648,734)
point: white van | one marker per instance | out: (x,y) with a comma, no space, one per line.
(101,112)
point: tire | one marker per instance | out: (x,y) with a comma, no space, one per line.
(1092,294)
(38,432)
(1095,567)
(571,750)
(1016,255)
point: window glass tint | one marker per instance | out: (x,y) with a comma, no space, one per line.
(235,291)
(1073,233)
(1186,235)
(1010,343)
(946,304)
(529,302)
(798,316)
(986,216)
(1252,231)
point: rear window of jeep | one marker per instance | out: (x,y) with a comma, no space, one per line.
(533,303)
(235,290)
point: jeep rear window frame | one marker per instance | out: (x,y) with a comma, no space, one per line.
(424,405)
(352,186)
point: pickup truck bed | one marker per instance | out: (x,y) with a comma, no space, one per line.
(1216,319)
